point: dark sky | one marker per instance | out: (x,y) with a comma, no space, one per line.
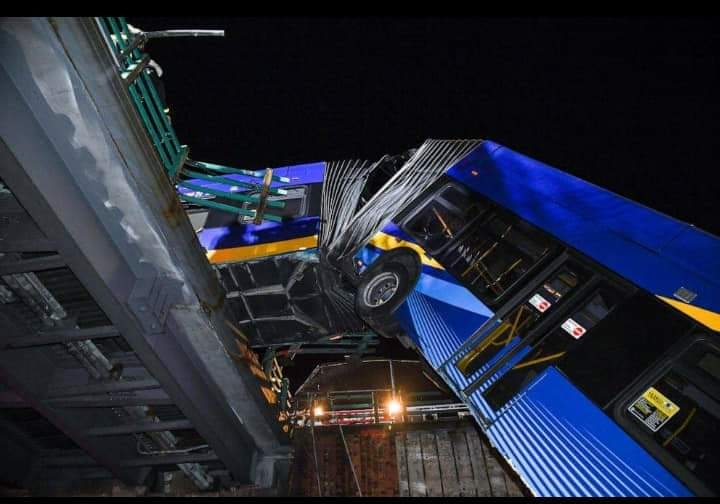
(630,104)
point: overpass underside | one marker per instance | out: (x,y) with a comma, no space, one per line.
(116,357)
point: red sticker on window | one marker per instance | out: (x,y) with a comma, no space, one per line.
(540,303)
(573,328)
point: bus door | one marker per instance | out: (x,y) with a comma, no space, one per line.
(552,318)
(674,412)
(491,254)
(588,406)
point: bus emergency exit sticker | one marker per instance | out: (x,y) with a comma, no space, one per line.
(653,409)
(540,303)
(573,328)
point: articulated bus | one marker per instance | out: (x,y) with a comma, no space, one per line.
(579,327)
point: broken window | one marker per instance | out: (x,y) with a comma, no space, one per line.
(443,217)
(494,254)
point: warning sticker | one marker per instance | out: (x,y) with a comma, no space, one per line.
(653,409)
(573,328)
(540,303)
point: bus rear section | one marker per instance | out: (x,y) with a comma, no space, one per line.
(583,344)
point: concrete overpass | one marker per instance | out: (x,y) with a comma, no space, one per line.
(116,358)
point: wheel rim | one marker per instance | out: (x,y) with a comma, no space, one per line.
(381,289)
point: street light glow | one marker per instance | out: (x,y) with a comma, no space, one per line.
(318,411)
(394,406)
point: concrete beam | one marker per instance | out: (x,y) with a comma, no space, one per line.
(76,156)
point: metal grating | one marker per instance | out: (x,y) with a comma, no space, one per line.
(74,298)
(37,427)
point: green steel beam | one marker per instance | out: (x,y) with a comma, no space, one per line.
(177,168)
(230,182)
(155,99)
(157,124)
(158,117)
(227,208)
(134,70)
(148,124)
(145,96)
(229,195)
(130,36)
(235,171)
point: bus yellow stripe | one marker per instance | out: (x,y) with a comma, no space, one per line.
(708,318)
(381,240)
(261,250)
(388,242)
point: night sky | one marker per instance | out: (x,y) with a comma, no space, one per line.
(630,104)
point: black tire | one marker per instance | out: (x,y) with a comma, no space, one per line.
(384,286)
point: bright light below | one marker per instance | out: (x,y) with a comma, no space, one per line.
(394,407)
(318,411)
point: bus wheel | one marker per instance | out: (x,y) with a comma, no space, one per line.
(385,285)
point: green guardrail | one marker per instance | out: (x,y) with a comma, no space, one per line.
(128,49)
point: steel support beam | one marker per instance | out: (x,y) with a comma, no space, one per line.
(158,460)
(103,388)
(74,460)
(15,244)
(117,430)
(104,453)
(78,460)
(53,475)
(319,351)
(143,398)
(63,336)
(30,265)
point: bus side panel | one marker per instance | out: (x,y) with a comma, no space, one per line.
(437,335)
(561,444)
(245,235)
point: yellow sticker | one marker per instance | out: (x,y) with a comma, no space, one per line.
(661,402)
(653,409)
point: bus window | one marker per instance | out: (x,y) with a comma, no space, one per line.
(443,217)
(633,336)
(679,413)
(519,321)
(294,203)
(494,254)
(552,348)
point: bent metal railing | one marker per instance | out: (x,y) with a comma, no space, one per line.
(237,190)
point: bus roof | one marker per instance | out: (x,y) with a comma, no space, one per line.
(655,251)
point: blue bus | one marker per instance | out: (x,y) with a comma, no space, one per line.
(579,327)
